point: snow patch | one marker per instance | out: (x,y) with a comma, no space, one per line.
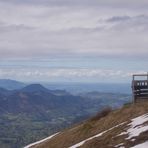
(98,135)
(136,127)
(81,143)
(143,145)
(123,133)
(120,145)
(38,142)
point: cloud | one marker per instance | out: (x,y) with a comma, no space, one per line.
(80,3)
(118,18)
(4,28)
(68,29)
(73,28)
(73,74)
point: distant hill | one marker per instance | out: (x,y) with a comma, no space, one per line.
(34,88)
(123,128)
(34,112)
(40,88)
(11,84)
(76,87)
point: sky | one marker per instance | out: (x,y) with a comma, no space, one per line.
(73,40)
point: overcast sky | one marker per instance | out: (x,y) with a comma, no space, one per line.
(73,40)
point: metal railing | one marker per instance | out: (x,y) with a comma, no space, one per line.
(140,87)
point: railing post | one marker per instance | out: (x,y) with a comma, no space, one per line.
(133,93)
(133,77)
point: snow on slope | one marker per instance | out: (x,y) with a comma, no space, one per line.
(98,135)
(143,145)
(136,127)
(38,142)
(81,143)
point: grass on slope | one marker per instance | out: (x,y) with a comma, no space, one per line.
(90,128)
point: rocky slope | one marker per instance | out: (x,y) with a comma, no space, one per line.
(123,128)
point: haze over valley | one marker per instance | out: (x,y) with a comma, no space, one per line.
(33,112)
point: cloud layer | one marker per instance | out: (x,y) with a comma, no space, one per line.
(35,28)
(71,29)
(67,75)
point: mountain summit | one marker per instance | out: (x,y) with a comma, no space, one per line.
(34,88)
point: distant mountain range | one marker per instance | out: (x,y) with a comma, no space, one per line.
(11,84)
(33,112)
(35,98)
(73,88)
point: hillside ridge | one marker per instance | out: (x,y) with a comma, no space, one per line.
(126,127)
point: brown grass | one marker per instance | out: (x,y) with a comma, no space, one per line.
(101,114)
(96,125)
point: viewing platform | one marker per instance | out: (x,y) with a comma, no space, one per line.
(140,87)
